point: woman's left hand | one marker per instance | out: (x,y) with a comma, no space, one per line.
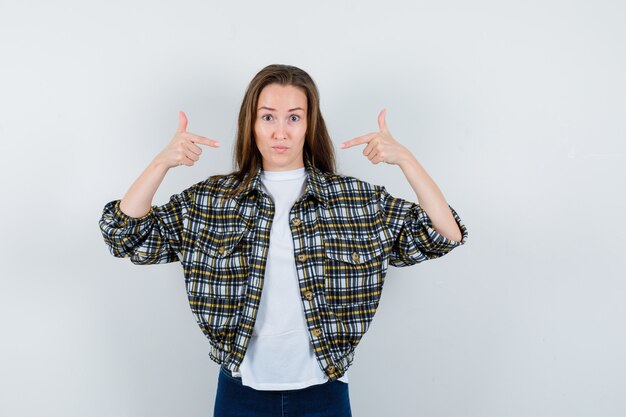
(381,146)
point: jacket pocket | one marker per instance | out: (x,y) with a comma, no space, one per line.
(217,317)
(354,269)
(220,264)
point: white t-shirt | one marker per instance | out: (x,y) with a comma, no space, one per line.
(280,354)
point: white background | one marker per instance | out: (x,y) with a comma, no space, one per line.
(516,109)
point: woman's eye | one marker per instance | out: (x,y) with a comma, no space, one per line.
(295,118)
(266,117)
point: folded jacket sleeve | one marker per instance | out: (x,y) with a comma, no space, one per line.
(413,237)
(155,238)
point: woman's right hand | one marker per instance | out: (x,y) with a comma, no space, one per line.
(182,150)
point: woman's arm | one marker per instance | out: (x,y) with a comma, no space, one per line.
(148,234)
(382,147)
(138,199)
(430,197)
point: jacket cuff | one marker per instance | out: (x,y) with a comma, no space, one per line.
(124,219)
(439,241)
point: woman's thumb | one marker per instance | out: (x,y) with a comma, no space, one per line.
(182,121)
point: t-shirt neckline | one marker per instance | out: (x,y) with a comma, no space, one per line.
(291,174)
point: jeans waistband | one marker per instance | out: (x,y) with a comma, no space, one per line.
(228,373)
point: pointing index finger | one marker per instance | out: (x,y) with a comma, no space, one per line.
(204,141)
(210,142)
(358,140)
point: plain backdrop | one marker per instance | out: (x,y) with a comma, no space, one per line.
(515,109)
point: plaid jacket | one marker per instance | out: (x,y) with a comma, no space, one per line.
(346,232)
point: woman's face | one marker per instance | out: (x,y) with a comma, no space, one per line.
(280,127)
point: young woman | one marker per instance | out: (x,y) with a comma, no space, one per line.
(284,259)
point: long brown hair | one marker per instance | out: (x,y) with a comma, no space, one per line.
(318,148)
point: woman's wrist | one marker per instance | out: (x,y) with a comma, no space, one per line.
(158,164)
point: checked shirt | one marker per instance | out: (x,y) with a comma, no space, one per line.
(346,232)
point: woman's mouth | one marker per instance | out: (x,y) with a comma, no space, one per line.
(280,148)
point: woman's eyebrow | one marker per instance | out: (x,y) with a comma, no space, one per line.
(270,109)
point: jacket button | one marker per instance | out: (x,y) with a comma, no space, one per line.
(317,332)
(296,221)
(308,295)
(222,250)
(355,256)
(302,257)
(331,369)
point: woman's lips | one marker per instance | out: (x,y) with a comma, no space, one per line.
(280,149)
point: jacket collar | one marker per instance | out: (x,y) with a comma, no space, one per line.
(315,183)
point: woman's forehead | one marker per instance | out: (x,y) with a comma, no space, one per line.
(282,98)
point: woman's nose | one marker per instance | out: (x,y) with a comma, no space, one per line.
(281,131)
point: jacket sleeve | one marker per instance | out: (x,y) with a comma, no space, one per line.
(413,237)
(154,238)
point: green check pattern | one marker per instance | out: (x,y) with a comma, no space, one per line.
(346,232)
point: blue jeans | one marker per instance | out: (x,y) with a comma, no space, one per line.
(233,399)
